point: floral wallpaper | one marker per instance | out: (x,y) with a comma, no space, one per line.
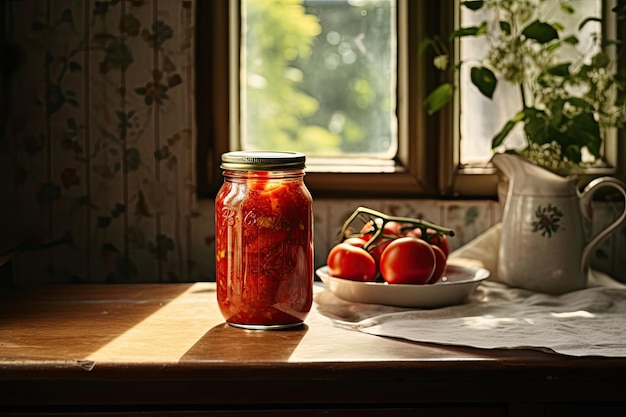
(97,150)
(98,144)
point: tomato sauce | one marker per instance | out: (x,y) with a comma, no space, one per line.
(264,247)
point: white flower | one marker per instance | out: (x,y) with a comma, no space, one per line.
(441,62)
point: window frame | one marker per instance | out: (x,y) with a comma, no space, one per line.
(415,174)
(427,165)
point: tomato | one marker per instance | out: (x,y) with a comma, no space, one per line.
(441,241)
(350,262)
(355,241)
(391,229)
(434,238)
(440,264)
(407,260)
(368,228)
(377,250)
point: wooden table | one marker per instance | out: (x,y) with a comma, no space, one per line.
(164,349)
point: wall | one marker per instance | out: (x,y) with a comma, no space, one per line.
(98,148)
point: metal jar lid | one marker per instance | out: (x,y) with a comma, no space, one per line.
(263,160)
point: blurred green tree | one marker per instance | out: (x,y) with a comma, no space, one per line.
(320,77)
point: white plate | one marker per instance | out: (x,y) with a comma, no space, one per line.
(454,288)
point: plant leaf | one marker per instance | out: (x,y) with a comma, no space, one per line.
(585,131)
(560,70)
(498,139)
(542,32)
(473,4)
(439,98)
(556,110)
(536,128)
(572,153)
(600,60)
(484,79)
(567,8)
(469,31)
(505,27)
(581,103)
(571,39)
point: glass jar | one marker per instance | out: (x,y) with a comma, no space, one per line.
(264,240)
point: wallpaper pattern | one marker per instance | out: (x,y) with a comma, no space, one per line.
(99,138)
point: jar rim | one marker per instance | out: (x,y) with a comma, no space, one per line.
(263,160)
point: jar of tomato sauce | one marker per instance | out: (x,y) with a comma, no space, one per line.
(264,240)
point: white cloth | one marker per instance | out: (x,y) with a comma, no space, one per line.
(589,322)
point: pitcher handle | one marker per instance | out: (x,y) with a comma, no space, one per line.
(585,201)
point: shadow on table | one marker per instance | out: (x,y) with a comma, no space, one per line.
(224,342)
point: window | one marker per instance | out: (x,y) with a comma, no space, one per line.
(319,77)
(403,168)
(475,129)
(427,159)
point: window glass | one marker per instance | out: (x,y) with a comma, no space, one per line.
(319,76)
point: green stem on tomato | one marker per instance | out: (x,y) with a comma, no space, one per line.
(378,231)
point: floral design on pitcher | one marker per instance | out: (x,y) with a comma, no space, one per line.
(547,220)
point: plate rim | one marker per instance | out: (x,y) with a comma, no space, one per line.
(422,296)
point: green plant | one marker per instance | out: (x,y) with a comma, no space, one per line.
(566,104)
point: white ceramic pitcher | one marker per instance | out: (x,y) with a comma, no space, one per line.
(545,244)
